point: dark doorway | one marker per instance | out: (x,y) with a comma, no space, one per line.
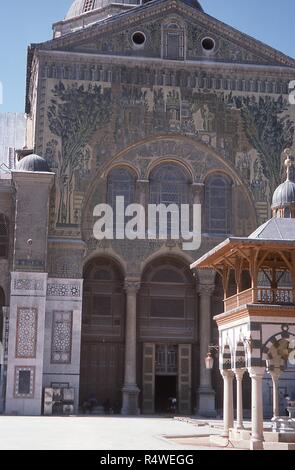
(165,388)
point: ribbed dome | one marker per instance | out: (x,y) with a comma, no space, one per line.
(79,7)
(284,195)
(33,163)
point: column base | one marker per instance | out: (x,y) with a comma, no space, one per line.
(206,401)
(130,400)
(256,444)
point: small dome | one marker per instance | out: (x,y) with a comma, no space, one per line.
(284,195)
(79,7)
(33,163)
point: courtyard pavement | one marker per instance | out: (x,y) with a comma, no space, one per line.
(99,433)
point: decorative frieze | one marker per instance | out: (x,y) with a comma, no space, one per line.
(24,384)
(64,290)
(165,77)
(26,333)
(29,285)
(61,347)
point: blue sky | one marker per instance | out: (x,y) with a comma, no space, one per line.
(28,21)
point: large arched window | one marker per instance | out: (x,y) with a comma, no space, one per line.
(169,184)
(173,41)
(121,182)
(218,204)
(4,238)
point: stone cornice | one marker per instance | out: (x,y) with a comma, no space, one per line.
(251,311)
(30,177)
(198,65)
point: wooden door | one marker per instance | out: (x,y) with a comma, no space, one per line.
(148,382)
(184,378)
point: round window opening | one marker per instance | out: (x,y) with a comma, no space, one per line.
(138,38)
(208,44)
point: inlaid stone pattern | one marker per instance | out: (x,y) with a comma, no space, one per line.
(26,333)
(61,347)
(24,384)
(28,284)
(63,290)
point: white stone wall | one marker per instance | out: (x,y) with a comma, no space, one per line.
(63,311)
(28,295)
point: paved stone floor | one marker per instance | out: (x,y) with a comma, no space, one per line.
(99,433)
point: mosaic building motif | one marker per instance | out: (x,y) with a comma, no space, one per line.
(26,336)
(24,382)
(61,338)
(63,290)
(28,284)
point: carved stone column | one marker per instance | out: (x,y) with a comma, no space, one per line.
(239,373)
(142,192)
(130,389)
(205,394)
(275,375)
(257,438)
(228,405)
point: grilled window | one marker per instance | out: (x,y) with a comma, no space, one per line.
(173,42)
(88,5)
(3,236)
(121,183)
(218,205)
(169,184)
(167,308)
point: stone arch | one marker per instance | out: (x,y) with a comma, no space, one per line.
(276,349)
(240,355)
(110,254)
(173,161)
(190,152)
(117,165)
(226,357)
(103,332)
(175,253)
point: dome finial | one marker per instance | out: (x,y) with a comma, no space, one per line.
(288,162)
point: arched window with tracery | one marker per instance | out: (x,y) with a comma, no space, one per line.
(121,183)
(169,184)
(4,236)
(173,41)
(218,204)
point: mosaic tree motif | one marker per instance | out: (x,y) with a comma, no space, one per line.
(75,114)
(269,129)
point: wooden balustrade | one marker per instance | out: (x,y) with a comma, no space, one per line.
(261,295)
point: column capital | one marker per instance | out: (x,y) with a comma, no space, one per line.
(256,372)
(131,286)
(206,281)
(227,373)
(198,192)
(239,373)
